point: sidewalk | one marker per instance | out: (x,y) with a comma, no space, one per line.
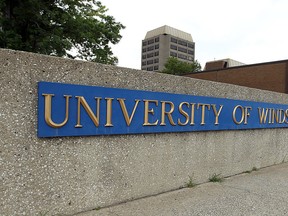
(262,192)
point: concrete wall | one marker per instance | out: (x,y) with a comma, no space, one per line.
(68,175)
(272,76)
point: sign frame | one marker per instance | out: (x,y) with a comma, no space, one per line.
(82,110)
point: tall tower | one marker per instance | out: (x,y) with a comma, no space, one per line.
(161,43)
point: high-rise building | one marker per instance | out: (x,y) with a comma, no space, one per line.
(164,42)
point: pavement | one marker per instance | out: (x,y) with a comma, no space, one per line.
(261,192)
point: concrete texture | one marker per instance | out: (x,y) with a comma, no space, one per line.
(262,192)
(63,176)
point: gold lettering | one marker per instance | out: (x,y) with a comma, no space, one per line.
(203,111)
(281,116)
(128,118)
(147,111)
(83,102)
(234,114)
(168,113)
(48,110)
(247,114)
(262,115)
(286,114)
(276,115)
(185,114)
(109,112)
(192,119)
(216,113)
(270,115)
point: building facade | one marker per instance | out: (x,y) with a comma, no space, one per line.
(271,76)
(164,42)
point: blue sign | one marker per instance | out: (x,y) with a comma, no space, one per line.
(77,110)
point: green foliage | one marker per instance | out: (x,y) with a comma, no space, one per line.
(71,28)
(190,183)
(252,170)
(177,67)
(216,178)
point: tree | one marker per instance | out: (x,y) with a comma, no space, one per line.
(177,67)
(67,28)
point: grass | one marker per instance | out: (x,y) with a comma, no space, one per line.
(190,183)
(216,178)
(252,170)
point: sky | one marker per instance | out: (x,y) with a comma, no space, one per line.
(249,31)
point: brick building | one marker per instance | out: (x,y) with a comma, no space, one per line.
(272,76)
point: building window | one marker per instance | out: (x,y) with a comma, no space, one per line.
(143,56)
(157,39)
(150,62)
(156,67)
(156,53)
(183,43)
(144,43)
(190,52)
(150,55)
(144,50)
(173,54)
(150,48)
(174,40)
(181,56)
(150,41)
(150,68)
(182,49)
(144,68)
(156,60)
(173,47)
(143,63)
(157,46)
(190,45)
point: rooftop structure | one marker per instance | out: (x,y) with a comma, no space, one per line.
(221,64)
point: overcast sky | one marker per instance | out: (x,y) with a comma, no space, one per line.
(249,31)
